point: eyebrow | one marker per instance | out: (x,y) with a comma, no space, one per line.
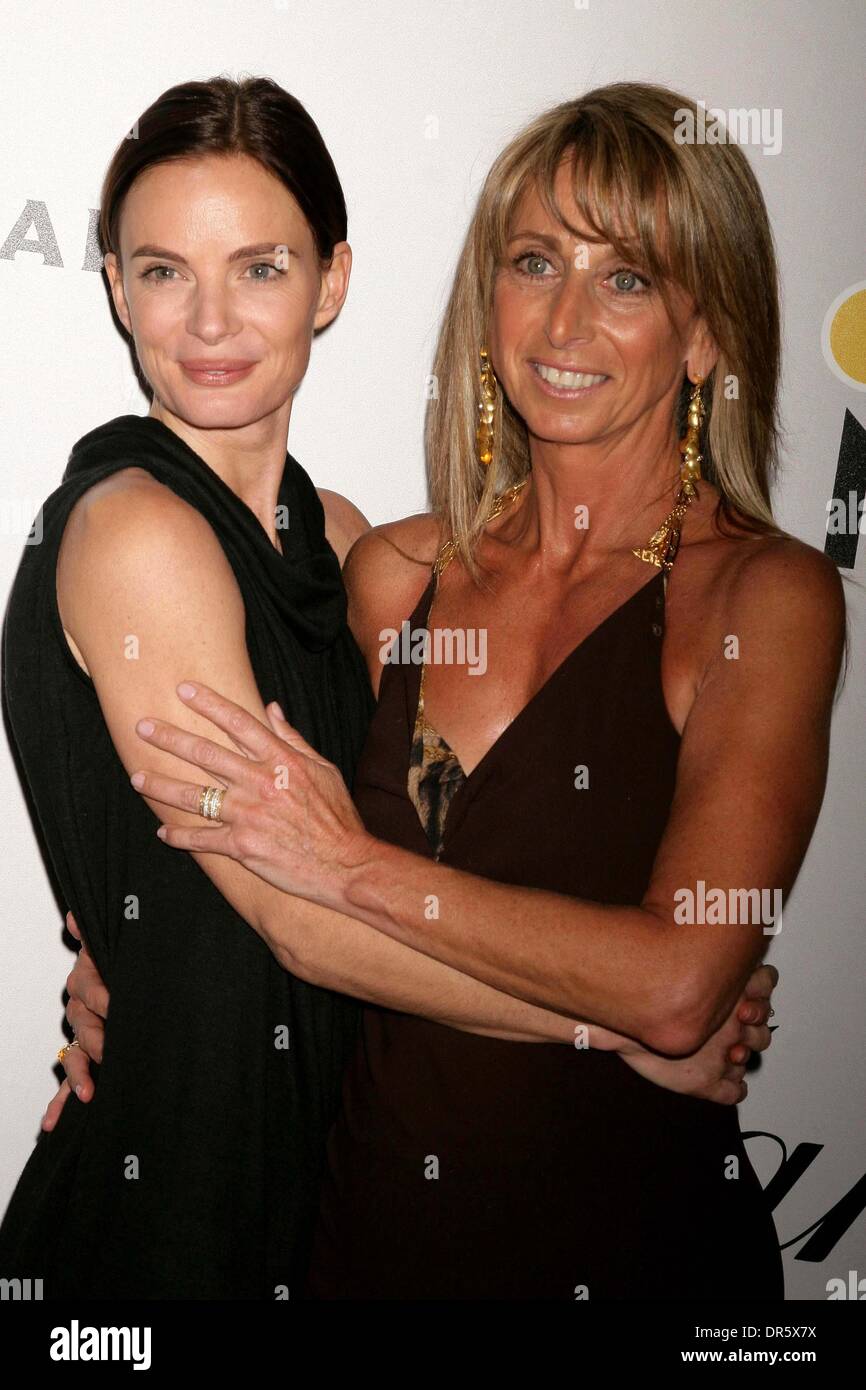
(262,248)
(551,241)
(535,236)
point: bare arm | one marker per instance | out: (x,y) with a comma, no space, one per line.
(750,782)
(127,554)
(714,1073)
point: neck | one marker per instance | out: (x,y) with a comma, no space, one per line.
(250,459)
(586,503)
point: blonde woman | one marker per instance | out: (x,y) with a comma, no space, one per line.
(649,729)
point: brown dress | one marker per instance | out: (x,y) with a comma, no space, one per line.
(464,1167)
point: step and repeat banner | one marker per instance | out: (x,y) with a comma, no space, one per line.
(415,101)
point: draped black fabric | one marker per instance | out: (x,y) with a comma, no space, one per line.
(194,1171)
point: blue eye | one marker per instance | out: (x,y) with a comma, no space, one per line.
(532,257)
(639,279)
(150,274)
(265,265)
(535,266)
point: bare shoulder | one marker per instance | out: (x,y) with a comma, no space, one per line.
(389,563)
(385,573)
(135,535)
(125,482)
(782,602)
(786,585)
(128,507)
(344,522)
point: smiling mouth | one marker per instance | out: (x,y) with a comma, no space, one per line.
(223,374)
(567,380)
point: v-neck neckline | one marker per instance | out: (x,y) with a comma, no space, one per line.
(556,673)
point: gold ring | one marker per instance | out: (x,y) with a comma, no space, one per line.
(210,802)
(63,1051)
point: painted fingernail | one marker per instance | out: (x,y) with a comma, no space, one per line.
(137,779)
(78,1090)
(161,832)
(279,712)
(145,726)
(186,691)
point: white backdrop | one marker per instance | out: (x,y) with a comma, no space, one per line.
(414,100)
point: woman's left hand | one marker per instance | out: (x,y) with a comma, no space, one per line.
(286,814)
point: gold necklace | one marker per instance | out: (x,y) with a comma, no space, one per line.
(447,551)
(662,546)
(660,550)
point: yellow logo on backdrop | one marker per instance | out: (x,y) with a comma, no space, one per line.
(843,337)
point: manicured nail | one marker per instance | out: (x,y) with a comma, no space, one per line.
(161,832)
(78,1089)
(145,726)
(278,711)
(137,779)
(186,691)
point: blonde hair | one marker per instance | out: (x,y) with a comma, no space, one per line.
(716,243)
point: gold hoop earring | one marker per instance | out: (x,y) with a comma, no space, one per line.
(486,412)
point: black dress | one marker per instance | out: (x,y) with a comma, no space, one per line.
(194,1171)
(464,1167)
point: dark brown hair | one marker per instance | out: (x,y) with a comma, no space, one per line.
(252,116)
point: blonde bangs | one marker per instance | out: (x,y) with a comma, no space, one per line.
(692,216)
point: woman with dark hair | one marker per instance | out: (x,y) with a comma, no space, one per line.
(190,538)
(224,229)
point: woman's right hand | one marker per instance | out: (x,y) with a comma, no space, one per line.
(86,1011)
(715,1072)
